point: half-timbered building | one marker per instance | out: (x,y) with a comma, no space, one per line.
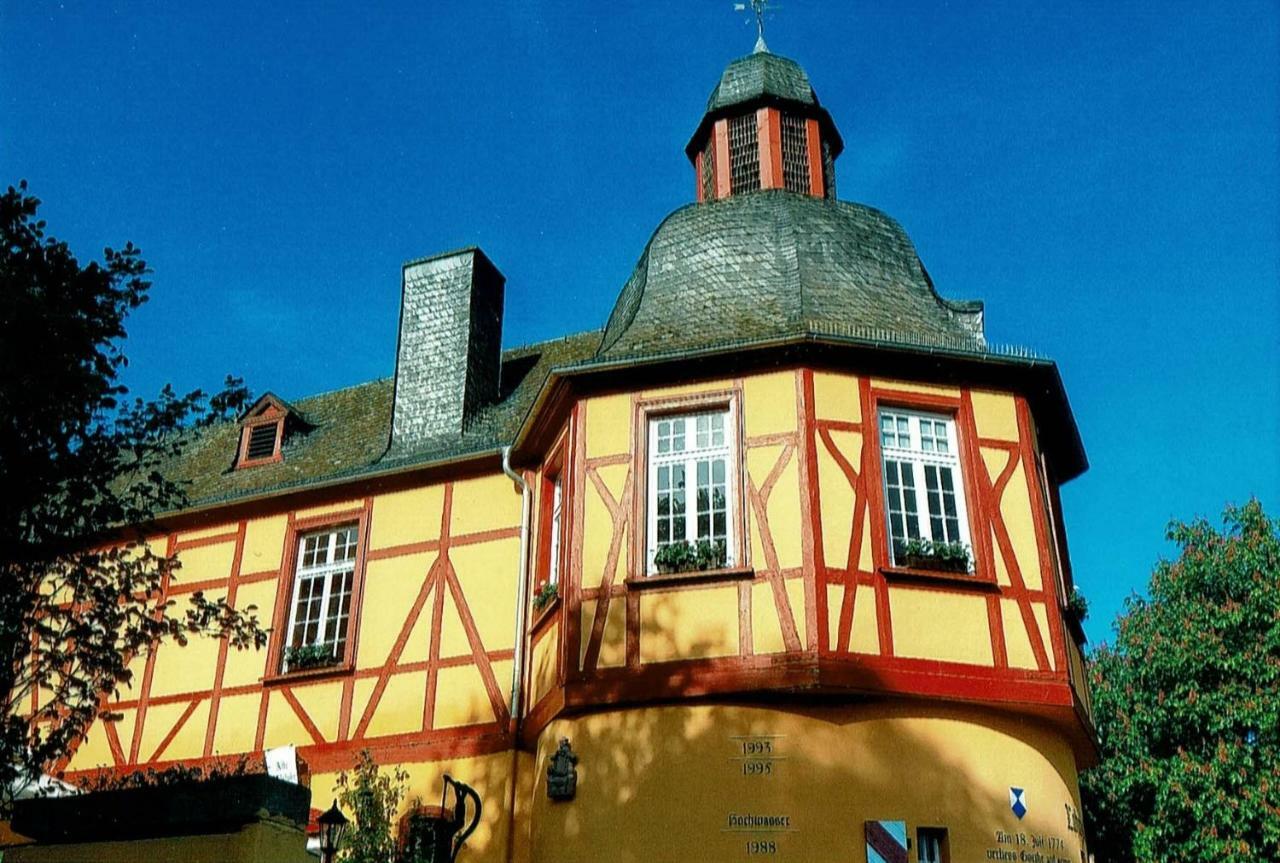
(776,553)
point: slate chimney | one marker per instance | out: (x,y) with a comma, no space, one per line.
(450,351)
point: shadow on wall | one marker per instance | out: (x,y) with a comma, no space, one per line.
(692,780)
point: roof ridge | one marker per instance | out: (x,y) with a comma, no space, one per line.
(553,340)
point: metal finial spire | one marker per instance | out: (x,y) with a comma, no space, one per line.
(758,7)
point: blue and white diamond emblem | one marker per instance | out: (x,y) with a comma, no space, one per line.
(1018,801)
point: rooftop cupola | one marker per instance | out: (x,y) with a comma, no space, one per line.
(764,129)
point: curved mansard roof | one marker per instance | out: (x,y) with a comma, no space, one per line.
(761,76)
(779,264)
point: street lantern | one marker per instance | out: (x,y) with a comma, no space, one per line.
(332,825)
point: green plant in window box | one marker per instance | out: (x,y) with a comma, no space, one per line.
(1077,606)
(545,595)
(306,656)
(701,556)
(939,556)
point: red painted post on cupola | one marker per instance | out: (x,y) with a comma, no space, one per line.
(816,187)
(723,177)
(698,168)
(769,136)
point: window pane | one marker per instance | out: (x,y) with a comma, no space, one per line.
(901,498)
(934,497)
(886,431)
(678,529)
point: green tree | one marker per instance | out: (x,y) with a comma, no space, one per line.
(1187,703)
(81,488)
(372,798)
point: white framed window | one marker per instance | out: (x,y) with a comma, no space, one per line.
(556,529)
(321,609)
(924,492)
(692,477)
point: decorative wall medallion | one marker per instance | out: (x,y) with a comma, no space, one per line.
(1018,801)
(562,774)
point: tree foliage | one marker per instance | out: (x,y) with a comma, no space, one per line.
(81,487)
(372,797)
(1187,704)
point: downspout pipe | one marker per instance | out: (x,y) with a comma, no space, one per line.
(517,677)
(522,585)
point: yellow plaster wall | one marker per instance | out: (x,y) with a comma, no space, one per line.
(485,503)
(835,397)
(1015,507)
(237,723)
(334,508)
(766,628)
(1016,640)
(544,662)
(995,415)
(932,624)
(660,783)
(406,517)
(769,403)
(782,508)
(263,544)
(461,697)
(688,624)
(487,573)
(206,563)
(613,642)
(390,587)
(608,424)
(865,636)
(838,499)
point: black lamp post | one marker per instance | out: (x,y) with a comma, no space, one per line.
(332,825)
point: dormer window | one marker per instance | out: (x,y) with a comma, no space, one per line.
(262,432)
(261,443)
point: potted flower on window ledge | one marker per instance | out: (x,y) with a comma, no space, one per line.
(1077,607)
(545,595)
(937,556)
(304,657)
(701,556)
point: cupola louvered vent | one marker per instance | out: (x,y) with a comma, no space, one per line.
(795,153)
(262,441)
(744,154)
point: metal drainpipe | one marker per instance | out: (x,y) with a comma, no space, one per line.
(522,605)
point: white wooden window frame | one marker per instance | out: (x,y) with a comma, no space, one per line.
(328,573)
(909,450)
(688,458)
(556,529)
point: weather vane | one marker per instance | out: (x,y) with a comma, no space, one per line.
(758,8)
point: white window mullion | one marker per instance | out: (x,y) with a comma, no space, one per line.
(322,633)
(297,587)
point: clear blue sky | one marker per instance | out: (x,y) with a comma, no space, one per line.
(1104,175)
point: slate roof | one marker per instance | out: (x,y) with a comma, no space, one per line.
(758,76)
(348,431)
(716,278)
(778,264)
